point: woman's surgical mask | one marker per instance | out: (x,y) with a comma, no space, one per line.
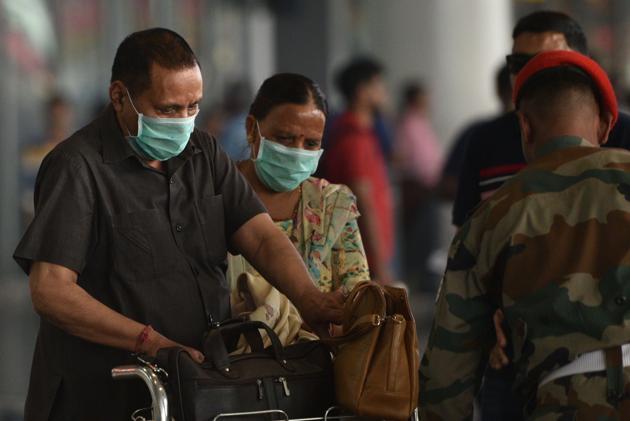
(161,138)
(282,168)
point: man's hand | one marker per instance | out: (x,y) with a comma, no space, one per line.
(58,298)
(498,358)
(155,341)
(277,260)
(319,309)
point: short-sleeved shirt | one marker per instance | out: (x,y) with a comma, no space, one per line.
(147,244)
(495,154)
(353,155)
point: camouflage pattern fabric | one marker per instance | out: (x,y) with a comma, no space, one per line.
(552,249)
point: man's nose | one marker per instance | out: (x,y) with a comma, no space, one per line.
(298,143)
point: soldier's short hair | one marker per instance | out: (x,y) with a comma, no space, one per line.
(551,84)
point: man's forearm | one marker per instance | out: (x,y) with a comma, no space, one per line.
(278,261)
(58,298)
(71,308)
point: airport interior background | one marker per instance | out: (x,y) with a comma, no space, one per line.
(55,61)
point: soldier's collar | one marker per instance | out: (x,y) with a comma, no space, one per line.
(561,142)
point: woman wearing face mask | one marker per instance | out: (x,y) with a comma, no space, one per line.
(285,126)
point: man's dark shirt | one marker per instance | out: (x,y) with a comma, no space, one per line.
(145,243)
(494,155)
(457,154)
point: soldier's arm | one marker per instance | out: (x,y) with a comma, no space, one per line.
(462,332)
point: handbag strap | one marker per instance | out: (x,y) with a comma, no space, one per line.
(214,346)
(355,297)
(363,325)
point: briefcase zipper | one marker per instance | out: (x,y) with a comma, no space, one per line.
(285,386)
(261,392)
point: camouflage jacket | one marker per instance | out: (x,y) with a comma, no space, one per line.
(552,249)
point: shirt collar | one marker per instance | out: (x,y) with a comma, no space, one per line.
(561,142)
(116,148)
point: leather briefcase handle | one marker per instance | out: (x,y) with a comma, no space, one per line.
(214,345)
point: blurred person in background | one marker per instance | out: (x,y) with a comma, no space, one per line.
(134,215)
(457,154)
(497,154)
(384,131)
(59,123)
(213,119)
(418,159)
(354,158)
(285,125)
(232,137)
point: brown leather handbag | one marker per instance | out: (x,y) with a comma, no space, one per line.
(377,358)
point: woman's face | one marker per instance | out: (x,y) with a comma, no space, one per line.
(291,125)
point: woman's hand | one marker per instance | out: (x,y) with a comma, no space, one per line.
(498,358)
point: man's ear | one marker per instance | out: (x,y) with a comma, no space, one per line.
(604,128)
(117,95)
(252,134)
(526,128)
(250,129)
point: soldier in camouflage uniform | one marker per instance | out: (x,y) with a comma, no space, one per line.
(552,249)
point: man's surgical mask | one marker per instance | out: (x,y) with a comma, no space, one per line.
(161,138)
(282,168)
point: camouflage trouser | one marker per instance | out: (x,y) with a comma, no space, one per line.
(581,397)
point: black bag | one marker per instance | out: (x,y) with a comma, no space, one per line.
(297,379)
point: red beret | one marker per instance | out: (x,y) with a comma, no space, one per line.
(549,59)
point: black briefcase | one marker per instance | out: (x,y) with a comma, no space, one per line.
(296,379)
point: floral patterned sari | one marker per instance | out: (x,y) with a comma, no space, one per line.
(325,233)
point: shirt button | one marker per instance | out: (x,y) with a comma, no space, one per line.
(621,300)
(179,228)
(172,180)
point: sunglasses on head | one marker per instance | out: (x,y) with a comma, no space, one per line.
(516,61)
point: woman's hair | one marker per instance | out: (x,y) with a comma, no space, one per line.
(287,88)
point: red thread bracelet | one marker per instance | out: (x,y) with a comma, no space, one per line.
(142,338)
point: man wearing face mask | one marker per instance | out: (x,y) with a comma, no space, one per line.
(134,215)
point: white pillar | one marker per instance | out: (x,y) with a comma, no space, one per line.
(471,39)
(455,46)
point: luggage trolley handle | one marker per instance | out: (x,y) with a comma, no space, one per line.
(159,398)
(227,416)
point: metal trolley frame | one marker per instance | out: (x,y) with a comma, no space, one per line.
(150,375)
